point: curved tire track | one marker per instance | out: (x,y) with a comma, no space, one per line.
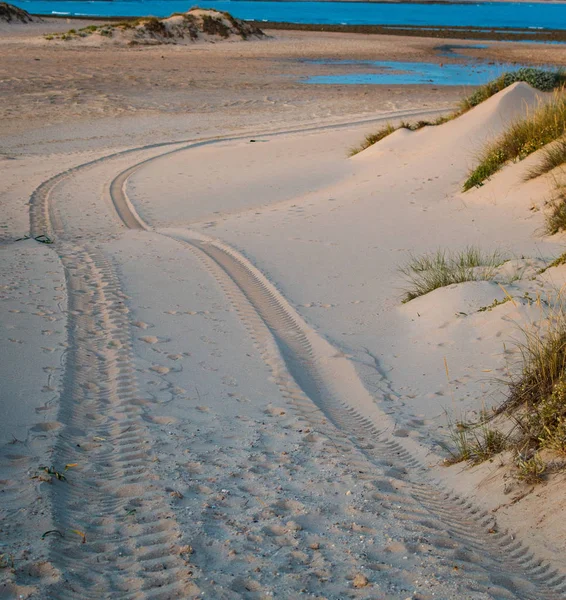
(304,366)
(309,371)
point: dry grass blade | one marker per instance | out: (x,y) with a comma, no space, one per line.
(555,219)
(373,138)
(553,156)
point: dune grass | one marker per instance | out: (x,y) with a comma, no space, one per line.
(553,156)
(475,443)
(388,129)
(555,217)
(545,124)
(535,409)
(541,79)
(441,268)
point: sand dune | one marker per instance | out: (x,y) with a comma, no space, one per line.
(195,25)
(242,408)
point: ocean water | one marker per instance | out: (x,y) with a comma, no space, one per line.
(535,16)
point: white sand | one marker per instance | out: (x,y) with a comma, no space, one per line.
(248,410)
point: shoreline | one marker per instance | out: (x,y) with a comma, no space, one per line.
(497,34)
(434,31)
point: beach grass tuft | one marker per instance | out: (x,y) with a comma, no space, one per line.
(553,156)
(475,443)
(441,268)
(535,407)
(555,217)
(373,138)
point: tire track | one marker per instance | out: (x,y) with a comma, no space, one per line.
(132,546)
(309,370)
(40,221)
(125,542)
(322,384)
(118,537)
(318,381)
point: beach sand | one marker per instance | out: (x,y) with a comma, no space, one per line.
(211,388)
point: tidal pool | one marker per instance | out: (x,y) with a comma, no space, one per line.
(382,72)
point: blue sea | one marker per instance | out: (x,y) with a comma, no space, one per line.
(535,16)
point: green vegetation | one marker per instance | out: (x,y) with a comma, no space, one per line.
(555,218)
(535,410)
(190,25)
(155,26)
(373,138)
(475,443)
(215,26)
(540,79)
(494,304)
(554,155)
(557,262)
(386,130)
(545,124)
(439,269)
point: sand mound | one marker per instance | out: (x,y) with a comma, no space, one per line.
(12,14)
(193,26)
(473,129)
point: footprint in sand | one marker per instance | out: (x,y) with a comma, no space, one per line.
(141,325)
(160,369)
(149,339)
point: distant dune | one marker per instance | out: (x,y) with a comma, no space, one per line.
(12,14)
(193,26)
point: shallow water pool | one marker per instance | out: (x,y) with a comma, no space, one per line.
(381,72)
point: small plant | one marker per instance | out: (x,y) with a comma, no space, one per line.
(540,79)
(388,129)
(530,470)
(439,269)
(6,561)
(155,26)
(557,262)
(54,473)
(49,37)
(555,218)
(475,442)
(494,304)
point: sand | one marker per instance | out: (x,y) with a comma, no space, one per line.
(212,355)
